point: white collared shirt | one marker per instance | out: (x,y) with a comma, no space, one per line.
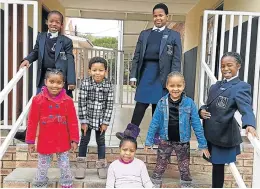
(53,35)
(161,29)
(231,78)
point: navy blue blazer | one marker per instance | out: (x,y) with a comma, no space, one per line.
(169,57)
(223,101)
(64,58)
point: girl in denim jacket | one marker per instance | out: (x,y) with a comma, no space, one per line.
(174,115)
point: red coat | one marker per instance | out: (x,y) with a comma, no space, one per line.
(58,123)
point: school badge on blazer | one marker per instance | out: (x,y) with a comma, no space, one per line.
(169,49)
(63,56)
(222,102)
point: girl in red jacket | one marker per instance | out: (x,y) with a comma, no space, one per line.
(55,114)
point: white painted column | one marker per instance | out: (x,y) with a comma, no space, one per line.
(120,62)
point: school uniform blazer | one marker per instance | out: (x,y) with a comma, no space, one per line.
(169,57)
(64,58)
(223,101)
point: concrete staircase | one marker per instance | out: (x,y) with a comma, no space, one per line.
(18,168)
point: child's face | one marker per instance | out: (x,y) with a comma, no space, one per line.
(175,86)
(54,23)
(54,84)
(127,151)
(159,18)
(98,72)
(229,67)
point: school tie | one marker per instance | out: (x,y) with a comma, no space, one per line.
(48,35)
(223,82)
(157,30)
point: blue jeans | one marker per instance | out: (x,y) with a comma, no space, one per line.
(84,141)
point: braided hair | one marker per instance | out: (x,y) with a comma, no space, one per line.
(128,139)
(235,55)
(51,71)
(174,74)
(56,12)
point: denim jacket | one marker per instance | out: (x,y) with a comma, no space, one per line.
(188,116)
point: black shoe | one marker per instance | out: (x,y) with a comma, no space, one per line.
(120,135)
(20,136)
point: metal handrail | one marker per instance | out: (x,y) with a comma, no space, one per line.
(4,93)
(14,129)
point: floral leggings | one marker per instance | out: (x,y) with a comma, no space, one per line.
(44,162)
(182,151)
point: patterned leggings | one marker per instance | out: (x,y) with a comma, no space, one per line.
(44,162)
(182,151)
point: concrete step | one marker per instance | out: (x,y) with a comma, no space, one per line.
(22,178)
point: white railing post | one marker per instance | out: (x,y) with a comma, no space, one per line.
(119,61)
(230,38)
(214,44)
(25,53)
(222,38)
(14,104)
(248,42)
(6,38)
(203,57)
(239,33)
(35,33)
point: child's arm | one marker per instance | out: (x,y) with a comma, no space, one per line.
(71,74)
(197,127)
(109,107)
(155,124)
(244,104)
(72,122)
(111,179)
(33,56)
(33,120)
(82,102)
(147,183)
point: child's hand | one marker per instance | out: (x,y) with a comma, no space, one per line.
(250,129)
(31,148)
(204,114)
(84,127)
(133,84)
(71,87)
(103,128)
(206,153)
(74,146)
(25,63)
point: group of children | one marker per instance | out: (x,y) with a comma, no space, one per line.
(53,114)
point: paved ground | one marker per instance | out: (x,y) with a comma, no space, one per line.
(120,118)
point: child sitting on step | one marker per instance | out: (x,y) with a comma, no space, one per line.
(53,110)
(128,171)
(174,115)
(95,110)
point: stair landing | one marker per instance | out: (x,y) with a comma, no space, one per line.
(22,178)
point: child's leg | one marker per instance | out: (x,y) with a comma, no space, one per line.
(163,155)
(100,139)
(81,160)
(64,165)
(218,175)
(41,179)
(183,156)
(101,163)
(83,147)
